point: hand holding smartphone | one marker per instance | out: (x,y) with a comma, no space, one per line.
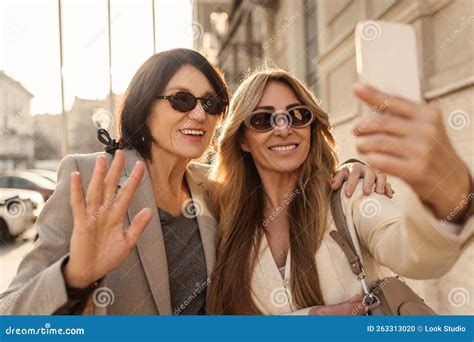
(387,59)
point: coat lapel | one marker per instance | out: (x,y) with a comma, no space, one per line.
(151,246)
(206,221)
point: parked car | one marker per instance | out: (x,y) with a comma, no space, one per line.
(48,174)
(18,179)
(19,209)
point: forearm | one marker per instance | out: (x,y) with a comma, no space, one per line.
(41,295)
(402,234)
(451,197)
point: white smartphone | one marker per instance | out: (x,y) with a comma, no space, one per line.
(387,59)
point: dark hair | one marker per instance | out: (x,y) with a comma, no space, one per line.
(149,82)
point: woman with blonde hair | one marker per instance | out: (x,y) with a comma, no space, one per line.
(271,192)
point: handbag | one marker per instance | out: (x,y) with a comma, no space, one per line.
(388,296)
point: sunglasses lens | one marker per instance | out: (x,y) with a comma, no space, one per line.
(183,102)
(300,116)
(261,121)
(214,105)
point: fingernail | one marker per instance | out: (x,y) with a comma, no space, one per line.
(359,87)
(99,161)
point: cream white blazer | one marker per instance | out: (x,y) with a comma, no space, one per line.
(399,233)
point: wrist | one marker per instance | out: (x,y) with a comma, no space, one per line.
(451,199)
(74,281)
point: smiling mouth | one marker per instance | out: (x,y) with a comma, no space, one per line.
(288,147)
(192,132)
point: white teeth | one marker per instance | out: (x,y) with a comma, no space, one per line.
(191,132)
(283,148)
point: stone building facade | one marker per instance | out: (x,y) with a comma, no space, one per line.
(16,125)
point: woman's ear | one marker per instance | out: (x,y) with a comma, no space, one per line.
(244,146)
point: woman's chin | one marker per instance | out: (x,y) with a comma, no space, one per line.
(191,153)
(285,167)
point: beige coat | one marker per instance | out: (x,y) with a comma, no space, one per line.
(401,234)
(140,286)
(411,243)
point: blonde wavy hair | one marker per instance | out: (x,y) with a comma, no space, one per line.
(237,198)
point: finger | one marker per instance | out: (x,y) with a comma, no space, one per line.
(382,143)
(128,190)
(386,102)
(352,180)
(359,310)
(113,176)
(354,299)
(78,205)
(381,181)
(369,180)
(384,123)
(388,164)
(339,178)
(96,186)
(138,225)
(341,309)
(388,190)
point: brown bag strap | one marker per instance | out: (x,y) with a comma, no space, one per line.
(343,237)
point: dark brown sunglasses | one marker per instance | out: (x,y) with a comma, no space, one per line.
(184,102)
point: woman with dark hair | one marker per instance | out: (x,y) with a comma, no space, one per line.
(134,233)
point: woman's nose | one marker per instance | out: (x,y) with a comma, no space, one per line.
(198,113)
(281,124)
(282,131)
